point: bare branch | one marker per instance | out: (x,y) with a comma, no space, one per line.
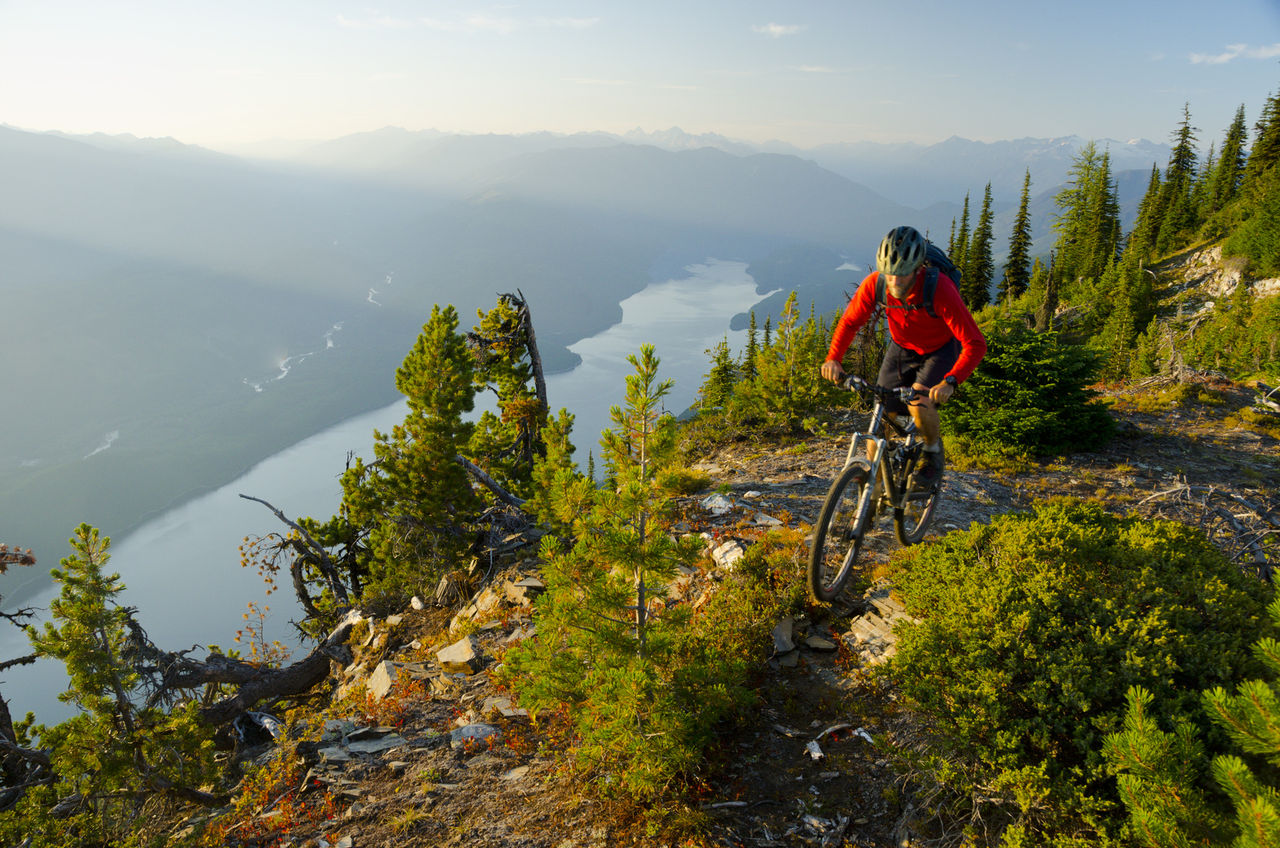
(294,679)
(488,482)
(186,793)
(1237,526)
(40,758)
(531,344)
(8,664)
(323,561)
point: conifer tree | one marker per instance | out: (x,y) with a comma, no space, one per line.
(1036,285)
(976,278)
(752,352)
(1201,198)
(1251,718)
(1088,223)
(117,750)
(1115,338)
(1049,306)
(1160,774)
(1227,177)
(556,472)
(643,440)
(788,386)
(602,650)
(1178,216)
(960,251)
(1142,240)
(1259,237)
(1017,274)
(1265,153)
(717,386)
(1146,352)
(1160,771)
(415,501)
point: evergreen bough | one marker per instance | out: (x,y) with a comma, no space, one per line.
(1163,775)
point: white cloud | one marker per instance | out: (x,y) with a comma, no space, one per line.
(778,30)
(380,22)
(473,23)
(568,23)
(816,69)
(1236,51)
(503,25)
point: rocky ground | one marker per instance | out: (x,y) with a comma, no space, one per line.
(423,748)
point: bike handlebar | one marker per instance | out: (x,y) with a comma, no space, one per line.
(906,394)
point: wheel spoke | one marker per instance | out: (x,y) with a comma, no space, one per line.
(839,532)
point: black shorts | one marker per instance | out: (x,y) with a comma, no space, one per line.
(904,367)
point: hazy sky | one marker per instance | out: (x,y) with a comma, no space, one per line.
(223,71)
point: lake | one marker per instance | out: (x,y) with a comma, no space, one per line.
(182,571)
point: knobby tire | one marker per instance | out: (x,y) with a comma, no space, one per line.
(837,538)
(911,521)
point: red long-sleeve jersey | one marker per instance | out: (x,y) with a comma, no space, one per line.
(915,329)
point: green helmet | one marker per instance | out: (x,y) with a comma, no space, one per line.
(901,252)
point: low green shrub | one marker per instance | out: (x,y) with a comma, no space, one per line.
(682,480)
(1032,630)
(644,724)
(1030,395)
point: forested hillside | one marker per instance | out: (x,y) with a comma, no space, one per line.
(1085,642)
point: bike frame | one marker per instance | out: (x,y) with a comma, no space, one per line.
(879,468)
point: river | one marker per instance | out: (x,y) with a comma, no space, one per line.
(182,570)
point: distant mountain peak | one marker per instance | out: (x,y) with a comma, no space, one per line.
(675,138)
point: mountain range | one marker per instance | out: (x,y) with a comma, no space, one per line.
(182,313)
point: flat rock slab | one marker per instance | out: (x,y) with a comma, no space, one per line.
(378,745)
(462,657)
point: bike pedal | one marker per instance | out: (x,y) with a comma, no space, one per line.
(924,494)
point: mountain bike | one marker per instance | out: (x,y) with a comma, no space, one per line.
(865,487)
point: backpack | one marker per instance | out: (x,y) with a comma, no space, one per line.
(935,261)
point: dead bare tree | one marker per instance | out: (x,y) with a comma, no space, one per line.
(1246,532)
(172,677)
(514,335)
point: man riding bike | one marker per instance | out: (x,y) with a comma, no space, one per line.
(933,347)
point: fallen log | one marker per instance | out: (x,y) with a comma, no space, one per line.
(179,674)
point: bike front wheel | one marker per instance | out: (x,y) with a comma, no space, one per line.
(837,537)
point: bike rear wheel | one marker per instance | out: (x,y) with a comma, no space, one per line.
(911,520)
(837,537)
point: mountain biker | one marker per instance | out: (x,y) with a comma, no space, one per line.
(933,354)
